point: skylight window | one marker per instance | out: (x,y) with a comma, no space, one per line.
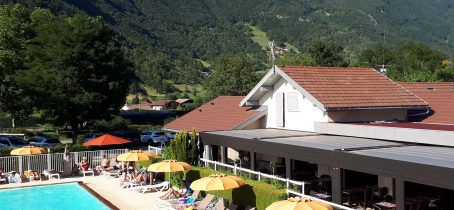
(452,88)
(430,88)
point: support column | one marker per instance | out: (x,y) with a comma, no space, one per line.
(288,167)
(252,160)
(336,183)
(400,192)
(222,154)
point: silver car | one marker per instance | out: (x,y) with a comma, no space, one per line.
(44,141)
(91,136)
(153,137)
(13,142)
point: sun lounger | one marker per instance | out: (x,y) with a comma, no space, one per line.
(3,177)
(51,173)
(172,204)
(204,203)
(32,179)
(88,171)
(16,178)
(107,174)
(221,204)
(157,187)
(249,208)
(232,207)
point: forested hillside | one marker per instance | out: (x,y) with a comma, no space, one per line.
(164,38)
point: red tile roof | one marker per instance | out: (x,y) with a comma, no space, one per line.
(441,100)
(337,87)
(145,102)
(160,102)
(223,113)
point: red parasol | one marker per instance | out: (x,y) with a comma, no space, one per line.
(106,140)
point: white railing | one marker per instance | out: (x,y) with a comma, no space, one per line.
(155,150)
(55,160)
(259,175)
(337,206)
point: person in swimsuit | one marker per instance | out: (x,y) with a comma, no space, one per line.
(131,170)
(34,174)
(115,167)
(177,194)
(104,164)
(84,164)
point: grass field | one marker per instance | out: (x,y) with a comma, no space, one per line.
(261,38)
(207,65)
(159,96)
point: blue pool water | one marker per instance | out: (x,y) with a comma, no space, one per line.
(60,196)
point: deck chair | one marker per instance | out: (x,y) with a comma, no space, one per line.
(249,208)
(204,203)
(232,207)
(157,187)
(4,178)
(32,179)
(221,204)
(51,173)
(88,171)
(171,204)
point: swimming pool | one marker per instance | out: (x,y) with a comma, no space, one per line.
(60,196)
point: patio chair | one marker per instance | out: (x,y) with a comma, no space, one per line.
(383,192)
(220,204)
(51,173)
(424,205)
(204,203)
(232,207)
(389,198)
(88,171)
(249,208)
(171,204)
(32,179)
(376,207)
(368,197)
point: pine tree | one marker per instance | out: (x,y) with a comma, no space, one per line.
(194,149)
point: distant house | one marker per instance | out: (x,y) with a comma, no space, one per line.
(184,101)
(145,103)
(160,104)
(127,107)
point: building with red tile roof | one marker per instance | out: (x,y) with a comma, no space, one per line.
(439,95)
(222,113)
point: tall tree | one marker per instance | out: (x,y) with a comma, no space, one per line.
(15,31)
(232,76)
(327,54)
(76,69)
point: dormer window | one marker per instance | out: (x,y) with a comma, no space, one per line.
(430,88)
(452,88)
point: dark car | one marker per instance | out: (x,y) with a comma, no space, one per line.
(14,142)
(128,135)
(44,141)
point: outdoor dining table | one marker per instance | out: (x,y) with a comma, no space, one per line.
(386,205)
(323,196)
(432,200)
(317,180)
(358,190)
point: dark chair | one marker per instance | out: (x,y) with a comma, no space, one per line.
(368,197)
(314,186)
(414,206)
(376,207)
(383,192)
(389,198)
(375,199)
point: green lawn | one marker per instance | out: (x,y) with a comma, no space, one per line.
(207,65)
(259,36)
(159,96)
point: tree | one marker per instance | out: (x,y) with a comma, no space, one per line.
(76,69)
(194,91)
(232,76)
(326,54)
(295,59)
(194,149)
(135,100)
(16,28)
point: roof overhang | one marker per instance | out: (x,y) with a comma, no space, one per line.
(263,110)
(377,107)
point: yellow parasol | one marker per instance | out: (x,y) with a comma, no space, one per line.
(135,155)
(299,204)
(217,182)
(28,150)
(169,166)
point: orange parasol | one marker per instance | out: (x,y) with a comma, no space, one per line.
(299,204)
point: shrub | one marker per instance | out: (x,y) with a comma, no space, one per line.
(142,128)
(28,134)
(80,139)
(5,152)
(116,124)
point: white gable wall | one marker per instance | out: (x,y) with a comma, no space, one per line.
(302,120)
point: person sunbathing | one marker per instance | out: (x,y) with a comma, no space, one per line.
(84,164)
(75,170)
(104,164)
(177,194)
(34,174)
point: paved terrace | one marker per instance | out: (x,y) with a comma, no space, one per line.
(107,188)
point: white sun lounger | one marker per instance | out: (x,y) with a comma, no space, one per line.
(32,179)
(51,173)
(107,174)
(157,187)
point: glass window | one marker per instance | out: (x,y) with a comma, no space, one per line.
(17,141)
(160,133)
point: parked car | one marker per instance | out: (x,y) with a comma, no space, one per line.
(44,141)
(14,142)
(3,146)
(129,135)
(91,136)
(153,137)
(171,135)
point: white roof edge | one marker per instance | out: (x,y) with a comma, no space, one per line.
(252,119)
(301,89)
(256,88)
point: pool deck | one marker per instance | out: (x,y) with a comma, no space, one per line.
(107,188)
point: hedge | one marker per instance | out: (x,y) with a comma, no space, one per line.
(142,128)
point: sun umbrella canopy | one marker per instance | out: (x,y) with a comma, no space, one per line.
(28,150)
(169,166)
(135,155)
(299,204)
(106,140)
(217,182)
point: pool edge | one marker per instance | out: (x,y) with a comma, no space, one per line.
(99,197)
